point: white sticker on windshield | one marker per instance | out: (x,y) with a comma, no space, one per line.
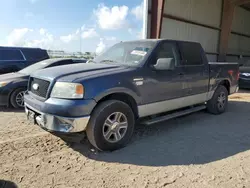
(138,52)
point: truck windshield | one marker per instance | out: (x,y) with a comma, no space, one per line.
(126,53)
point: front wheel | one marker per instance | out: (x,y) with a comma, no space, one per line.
(218,103)
(111,125)
(17,98)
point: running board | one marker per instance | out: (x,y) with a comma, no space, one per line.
(174,115)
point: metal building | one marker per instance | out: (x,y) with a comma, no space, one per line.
(221,26)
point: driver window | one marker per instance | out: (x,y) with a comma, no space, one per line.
(167,50)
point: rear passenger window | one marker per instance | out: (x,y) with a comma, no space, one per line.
(11,55)
(35,54)
(192,53)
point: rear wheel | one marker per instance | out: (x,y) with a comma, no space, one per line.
(17,98)
(111,125)
(218,103)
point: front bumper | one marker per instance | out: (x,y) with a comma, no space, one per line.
(59,115)
(56,123)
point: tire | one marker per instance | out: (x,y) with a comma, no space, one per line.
(14,100)
(215,105)
(102,122)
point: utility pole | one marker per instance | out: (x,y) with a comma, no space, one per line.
(80,42)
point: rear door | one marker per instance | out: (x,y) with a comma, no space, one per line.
(11,60)
(196,69)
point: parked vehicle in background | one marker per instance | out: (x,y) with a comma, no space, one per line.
(13,85)
(146,80)
(13,59)
(244,80)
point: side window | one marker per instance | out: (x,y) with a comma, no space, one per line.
(11,55)
(191,52)
(35,54)
(167,50)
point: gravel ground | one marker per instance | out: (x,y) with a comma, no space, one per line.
(199,150)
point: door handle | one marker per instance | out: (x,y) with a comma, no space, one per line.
(181,74)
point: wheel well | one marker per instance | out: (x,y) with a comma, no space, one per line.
(128,99)
(226,84)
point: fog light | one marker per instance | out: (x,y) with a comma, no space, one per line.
(65,125)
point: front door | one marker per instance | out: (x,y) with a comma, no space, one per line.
(162,88)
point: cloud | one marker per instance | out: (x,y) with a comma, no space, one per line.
(111,18)
(137,33)
(67,38)
(33,1)
(16,37)
(105,43)
(100,47)
(46,40)
(70,37)
(138,11)
(29,14)
(83,32)
(89,33)
(130,30)
(30,38)
(42,31)
(110,38)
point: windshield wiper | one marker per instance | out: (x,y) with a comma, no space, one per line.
(108,61)
(91,60)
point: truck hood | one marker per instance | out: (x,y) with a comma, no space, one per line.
(70,73)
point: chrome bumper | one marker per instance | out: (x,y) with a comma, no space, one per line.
(56,123)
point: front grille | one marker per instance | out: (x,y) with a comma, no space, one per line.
(43,86)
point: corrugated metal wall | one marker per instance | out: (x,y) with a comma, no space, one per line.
(184,31)
(200,20)
(202,11)
(239,42)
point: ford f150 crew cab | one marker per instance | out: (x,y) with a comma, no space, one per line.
(146,80)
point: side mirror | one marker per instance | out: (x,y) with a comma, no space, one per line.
(164,64)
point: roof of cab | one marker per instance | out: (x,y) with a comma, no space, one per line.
(18,48)
(158,40)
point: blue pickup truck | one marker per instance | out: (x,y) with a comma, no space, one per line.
(146,80)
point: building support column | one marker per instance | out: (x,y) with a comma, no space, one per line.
(226,26)
(156,18)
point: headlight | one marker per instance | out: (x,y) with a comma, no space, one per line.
(2,84)
(245,74)
(67,90)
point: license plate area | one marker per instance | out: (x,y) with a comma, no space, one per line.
(31,116)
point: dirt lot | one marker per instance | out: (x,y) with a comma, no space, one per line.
(199,150)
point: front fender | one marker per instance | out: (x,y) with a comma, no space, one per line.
(118,90)
(97,89)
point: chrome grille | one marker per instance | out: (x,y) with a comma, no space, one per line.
(39,87)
